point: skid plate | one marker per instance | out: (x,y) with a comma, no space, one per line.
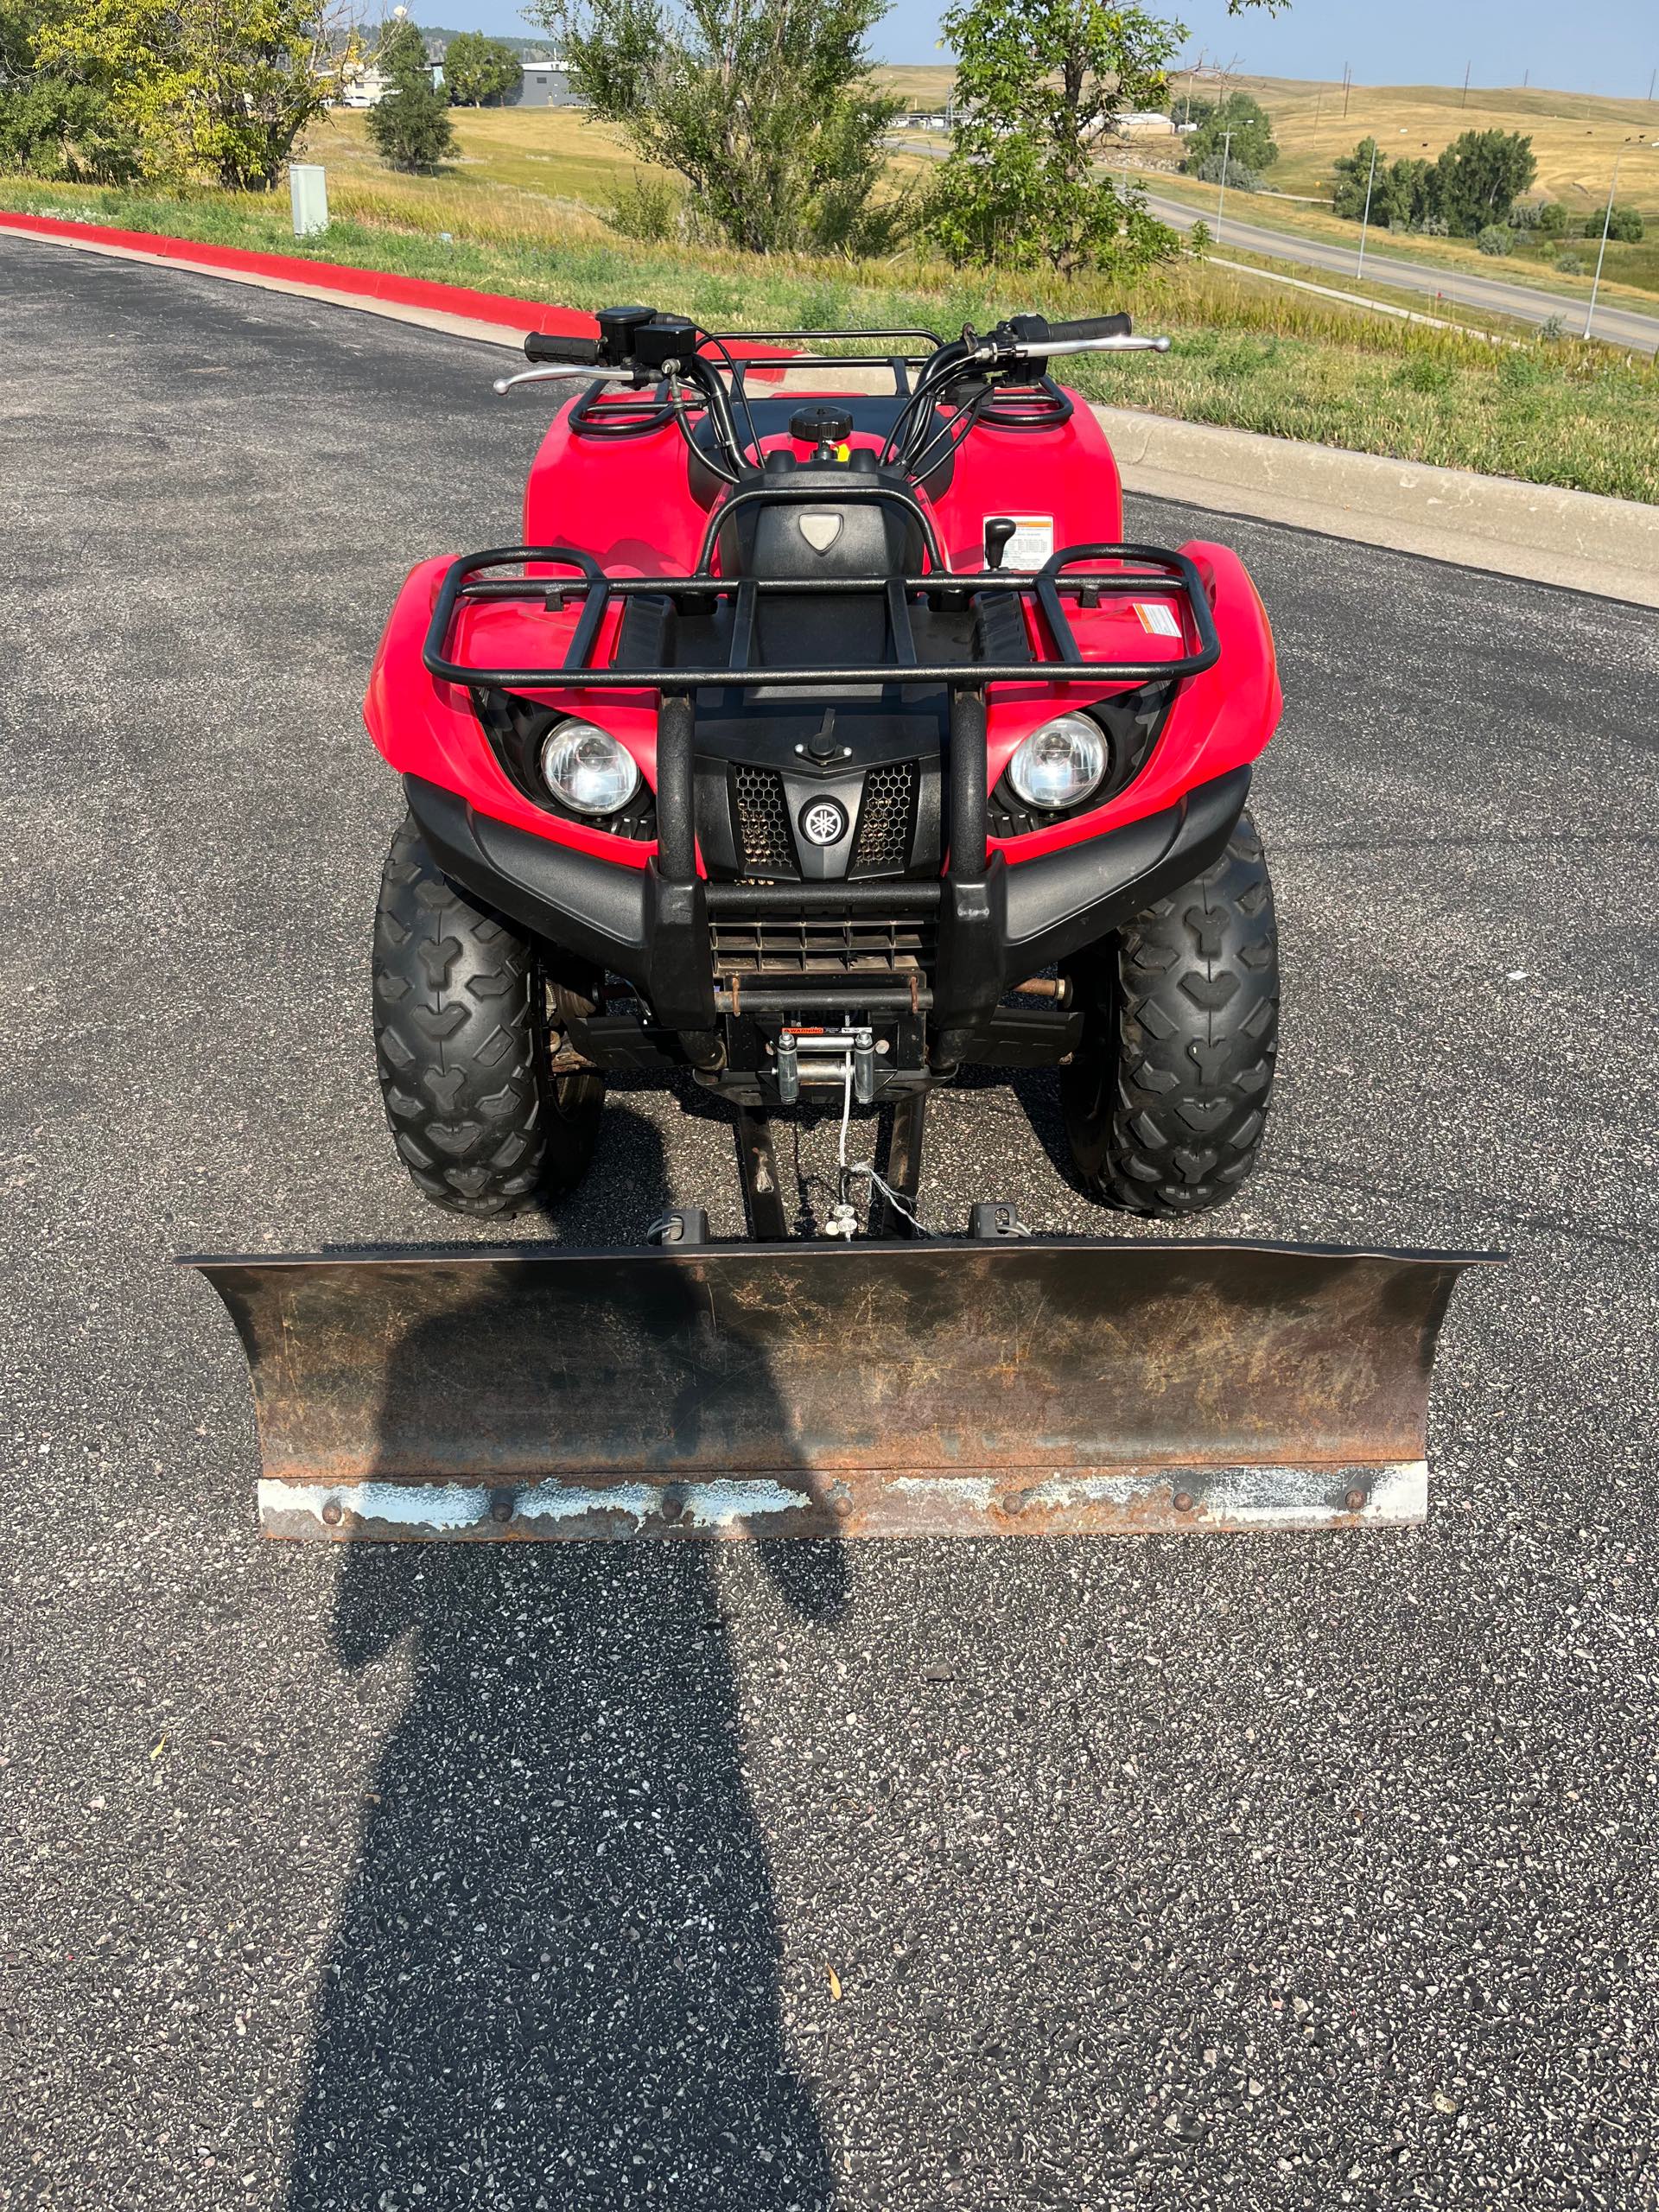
(1048,1386)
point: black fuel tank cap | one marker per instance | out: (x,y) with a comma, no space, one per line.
(818,425)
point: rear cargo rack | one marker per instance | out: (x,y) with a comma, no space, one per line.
(1134,569)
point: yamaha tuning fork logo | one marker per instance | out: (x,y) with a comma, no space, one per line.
(824,821)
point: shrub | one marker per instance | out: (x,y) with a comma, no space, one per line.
(1496,238)
(1199,240)
(648,208)
(1424,373)
(411,128)
(1569,264)
(1240,175)
(1552,219)
(1552,328)
(1624,225)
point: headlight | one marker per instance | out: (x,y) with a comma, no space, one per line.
(586,768)
(1060,763)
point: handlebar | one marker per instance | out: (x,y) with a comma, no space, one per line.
(1088,326)
(553,346)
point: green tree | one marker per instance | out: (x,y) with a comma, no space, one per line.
(1552,219)
(479,72)
(411,126)
(1625,226)
(402,51)
(1252,144)
(220,88)
(765,107)
(1039,83)
(51,124)
(1479,176)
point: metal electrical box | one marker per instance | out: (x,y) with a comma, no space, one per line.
(309,190)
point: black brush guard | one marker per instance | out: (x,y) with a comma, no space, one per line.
(971,900)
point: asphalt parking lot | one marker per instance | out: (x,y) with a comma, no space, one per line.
(1257,1872)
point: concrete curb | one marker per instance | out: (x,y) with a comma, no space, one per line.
(1576,539)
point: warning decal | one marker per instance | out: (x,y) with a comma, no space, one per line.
(1158,618)
(1032,541)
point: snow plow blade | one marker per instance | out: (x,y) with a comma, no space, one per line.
(1043,1386)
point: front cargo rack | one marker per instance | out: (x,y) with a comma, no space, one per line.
(1135,570)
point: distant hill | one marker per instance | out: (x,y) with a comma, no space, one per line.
(1574,134)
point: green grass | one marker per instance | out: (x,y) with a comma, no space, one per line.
(1246,355)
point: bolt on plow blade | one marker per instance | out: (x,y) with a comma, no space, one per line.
(1049,1386)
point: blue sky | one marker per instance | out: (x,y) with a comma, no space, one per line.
(1609,46)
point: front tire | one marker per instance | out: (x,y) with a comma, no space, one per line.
(461,1038)
(1166,1103)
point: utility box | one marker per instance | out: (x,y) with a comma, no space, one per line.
(309,190)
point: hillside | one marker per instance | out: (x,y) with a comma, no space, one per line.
(1574,134)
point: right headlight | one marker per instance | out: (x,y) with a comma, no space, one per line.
(586,768)
(1059,763)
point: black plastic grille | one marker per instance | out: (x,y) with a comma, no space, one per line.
(821,944)
(762,822)
(885,817)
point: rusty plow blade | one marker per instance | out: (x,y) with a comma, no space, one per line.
(1048,1386)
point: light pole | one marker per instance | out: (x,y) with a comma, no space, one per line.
(1601,252)
(1359,266)
(1221,201)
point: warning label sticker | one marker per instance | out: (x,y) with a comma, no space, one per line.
(1032,541)
(1158,618)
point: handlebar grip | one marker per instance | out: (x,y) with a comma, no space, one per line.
(1091,326)
(548,346)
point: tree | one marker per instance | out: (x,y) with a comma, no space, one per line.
(765,107)
(216,87)
(1552,219)
(478,72)
(411,124)
(1252,144)
(1039,83)
(1625,226)
(52,125)
(1479,176)
(402,51)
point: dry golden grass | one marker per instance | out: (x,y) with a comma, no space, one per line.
(1574,134)
(517,168)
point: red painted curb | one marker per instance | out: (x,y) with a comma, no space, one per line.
(333,275)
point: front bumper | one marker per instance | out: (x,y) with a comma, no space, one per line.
(994,930)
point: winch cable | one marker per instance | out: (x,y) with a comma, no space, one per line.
(843,1221)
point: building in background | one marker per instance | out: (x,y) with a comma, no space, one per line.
(544,82)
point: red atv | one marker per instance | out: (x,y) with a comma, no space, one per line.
(822,746)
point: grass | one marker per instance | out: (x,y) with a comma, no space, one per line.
(523,211)
(1631,276)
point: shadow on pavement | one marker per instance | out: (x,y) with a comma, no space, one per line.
(555,1978)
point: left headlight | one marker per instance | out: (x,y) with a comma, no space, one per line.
(1059,763)
(585,766)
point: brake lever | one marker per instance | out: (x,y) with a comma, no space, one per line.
(561,373)
(1037,348)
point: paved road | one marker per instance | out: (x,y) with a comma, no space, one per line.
(1618,325)
(1250,1873)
